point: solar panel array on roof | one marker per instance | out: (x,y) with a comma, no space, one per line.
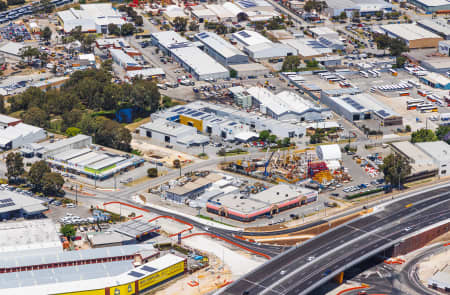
(148,268)
(244,34)
(135,274)
(6,203)
(179,45)
(203,35)
(196,114)
(247,3)
(353,103)
(383,113)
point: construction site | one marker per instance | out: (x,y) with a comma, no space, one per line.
(323,168)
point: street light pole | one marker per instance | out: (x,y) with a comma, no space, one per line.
(76,194)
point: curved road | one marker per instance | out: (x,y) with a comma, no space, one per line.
(301,269)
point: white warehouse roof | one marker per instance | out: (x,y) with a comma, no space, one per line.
(249,38)
(219,45)
(408,31)
(270,50)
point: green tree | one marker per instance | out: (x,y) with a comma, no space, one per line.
(443,133)
(76,33)
(233,73)
(179,24)
(221,29)
(152,172)
(145,95)
(382,41)
(113,29)
(36,116)
(87,41)
(272,138)
(264,135)
(3,6)
(72,131)
(14,166)
(68,230)
(107,65)
(379,13)
(127,29)
(291,64)
(138,21)
(2,105)
(312,63)
(36,174)
(397,47)
(46,34)
(286,141)
(52,183)
(395,169)
(318,6)
(423,135)
(193,26)
(400,61)
(408,128)
(343,15)
(29,52)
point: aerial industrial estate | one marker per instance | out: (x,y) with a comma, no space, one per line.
(225,147)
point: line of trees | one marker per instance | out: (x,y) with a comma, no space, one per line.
(40,176)
(82,103)
(425,135)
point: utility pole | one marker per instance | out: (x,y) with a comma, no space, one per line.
(76,194)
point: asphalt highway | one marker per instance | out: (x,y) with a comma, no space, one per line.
(298,269)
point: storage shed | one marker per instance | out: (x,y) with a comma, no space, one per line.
(329,152)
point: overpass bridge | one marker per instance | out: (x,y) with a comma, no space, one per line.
(302,269)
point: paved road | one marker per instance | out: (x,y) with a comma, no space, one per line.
(299,269)
(409,273)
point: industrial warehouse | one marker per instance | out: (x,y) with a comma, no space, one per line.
(413,35)
(224,122)
(90,18)
(78,155)
(112,270)
(194,60)
(267,202)
(360,107)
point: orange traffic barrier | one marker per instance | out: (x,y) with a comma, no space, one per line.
(125,204)
(133,218)
(447,244)
(228,241)
(351,289)
(176,219)
(193,283)
(225,283)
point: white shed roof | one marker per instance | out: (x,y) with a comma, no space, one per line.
(329,152)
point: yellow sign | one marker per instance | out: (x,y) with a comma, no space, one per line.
(127,289)
(90,292)
(189,121)
(161,275)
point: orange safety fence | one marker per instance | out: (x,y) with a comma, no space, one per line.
(176,219)
(351,289)
(447,244)
(228,241)
(125,204)
(139,216)
(244,239)
(226,283)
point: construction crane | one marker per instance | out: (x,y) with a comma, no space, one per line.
(267,164)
